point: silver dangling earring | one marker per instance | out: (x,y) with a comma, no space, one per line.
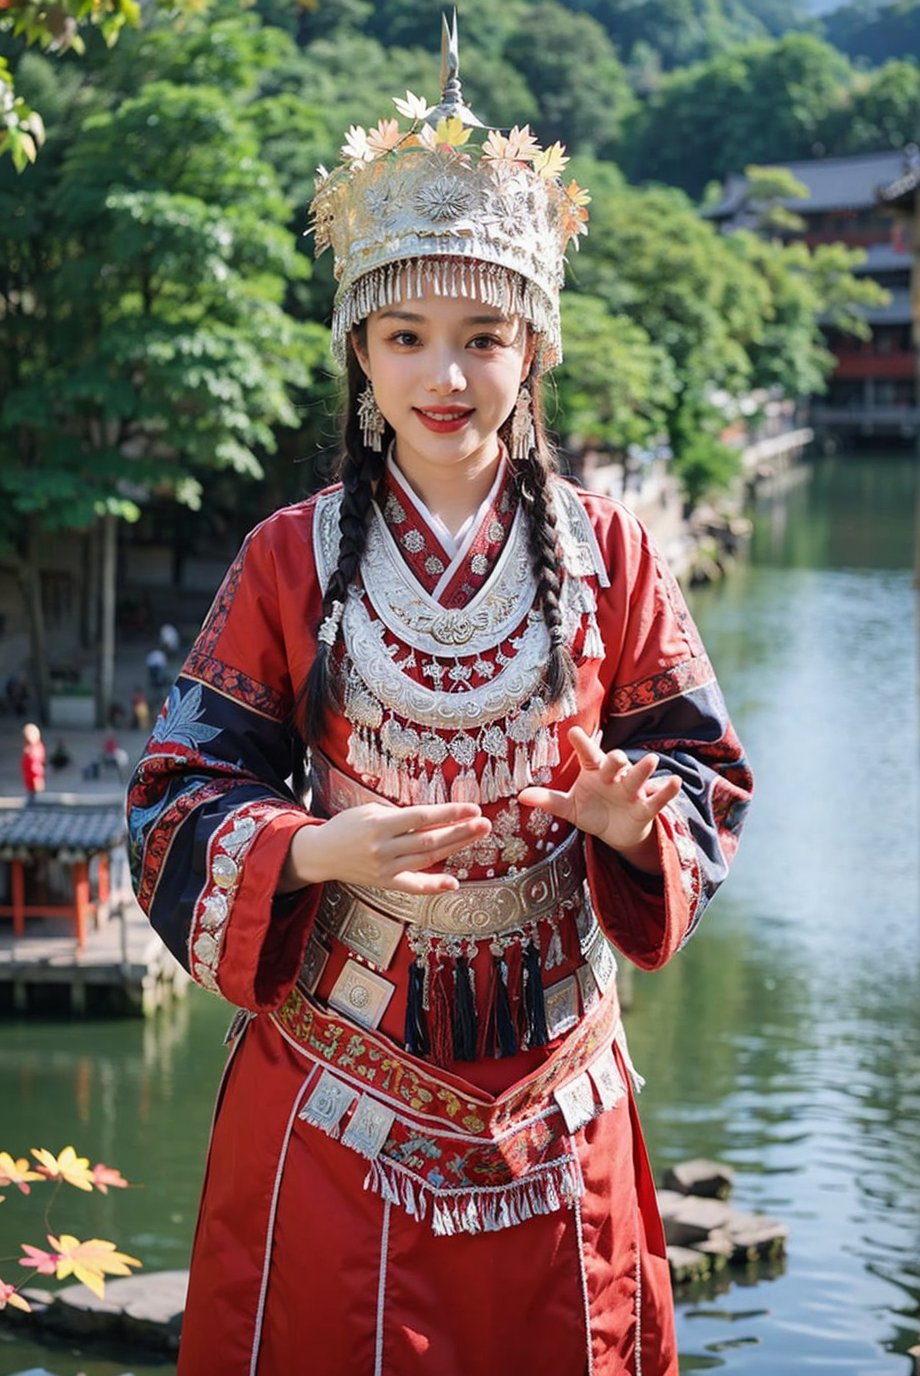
(523,438)
(370,419)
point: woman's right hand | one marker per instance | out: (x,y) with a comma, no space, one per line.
(384,847)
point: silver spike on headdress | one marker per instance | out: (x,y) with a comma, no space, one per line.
(451,103)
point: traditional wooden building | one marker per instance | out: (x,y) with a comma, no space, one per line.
(874,389)
(902,198)
(56,860)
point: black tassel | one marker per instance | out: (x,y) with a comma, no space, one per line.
(504,1023)
(417,1042)
(537,1034)
(464,1012)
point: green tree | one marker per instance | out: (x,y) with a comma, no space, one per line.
(58,27)
(881,111)
(763,200)
(680,31)
(484,26)
(615,385)
(149,344)
(651,257)
(729,312)
(763,102)
(875,33)
(353,79)
(571,67)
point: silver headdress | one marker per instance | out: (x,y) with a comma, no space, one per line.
(429,206)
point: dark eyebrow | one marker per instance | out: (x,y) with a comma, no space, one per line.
(486,320)
(394,314)
(401,315)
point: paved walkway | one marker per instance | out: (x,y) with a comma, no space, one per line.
(85,743)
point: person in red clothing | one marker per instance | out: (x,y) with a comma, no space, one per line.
(426,1158)
(32,760)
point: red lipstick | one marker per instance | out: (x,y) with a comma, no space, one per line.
(443,420)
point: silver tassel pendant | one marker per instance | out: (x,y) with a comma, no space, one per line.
(370,419)
(523,438)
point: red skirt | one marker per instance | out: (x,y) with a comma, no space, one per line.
(298,1267)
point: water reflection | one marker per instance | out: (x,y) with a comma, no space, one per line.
(132,1094)
(786,1040)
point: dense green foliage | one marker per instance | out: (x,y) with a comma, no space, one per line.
(769,101)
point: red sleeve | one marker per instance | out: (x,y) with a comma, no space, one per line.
(661,696)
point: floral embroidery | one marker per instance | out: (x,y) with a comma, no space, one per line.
(670,683)
(181,720)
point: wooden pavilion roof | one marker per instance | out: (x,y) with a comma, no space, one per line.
(72,831)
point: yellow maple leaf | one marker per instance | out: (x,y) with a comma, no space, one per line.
(451,131)
(550,162)
(13,1172)
(90,1261)
(10,1295)
(67,1166)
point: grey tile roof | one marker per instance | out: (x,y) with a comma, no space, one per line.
(884,258)
(897,312)
(82,830)
(833,183)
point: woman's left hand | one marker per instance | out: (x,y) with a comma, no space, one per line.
(613,799)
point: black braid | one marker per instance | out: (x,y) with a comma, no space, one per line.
(360,471)
(532,478)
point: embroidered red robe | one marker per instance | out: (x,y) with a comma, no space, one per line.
(305,1259)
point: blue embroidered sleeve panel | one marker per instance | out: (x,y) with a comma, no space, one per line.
(661,696)
(210,813)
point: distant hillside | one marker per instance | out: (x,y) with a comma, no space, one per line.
(875,33)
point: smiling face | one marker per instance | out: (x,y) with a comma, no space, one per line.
(446,373)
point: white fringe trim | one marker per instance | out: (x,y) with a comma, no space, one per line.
(484,1210)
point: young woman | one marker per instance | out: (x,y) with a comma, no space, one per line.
(426,1157)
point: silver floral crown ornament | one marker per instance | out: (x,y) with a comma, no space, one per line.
(427,206)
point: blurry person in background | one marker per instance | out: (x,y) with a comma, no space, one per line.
(32,760)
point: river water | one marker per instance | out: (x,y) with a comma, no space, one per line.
(785,1040)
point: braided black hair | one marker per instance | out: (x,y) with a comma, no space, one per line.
(360,469)
(532,477)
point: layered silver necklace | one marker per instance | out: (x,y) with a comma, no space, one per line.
(486,662)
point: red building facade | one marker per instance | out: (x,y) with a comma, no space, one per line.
(874,387)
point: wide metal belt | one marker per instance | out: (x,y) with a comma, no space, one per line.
(477,909)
